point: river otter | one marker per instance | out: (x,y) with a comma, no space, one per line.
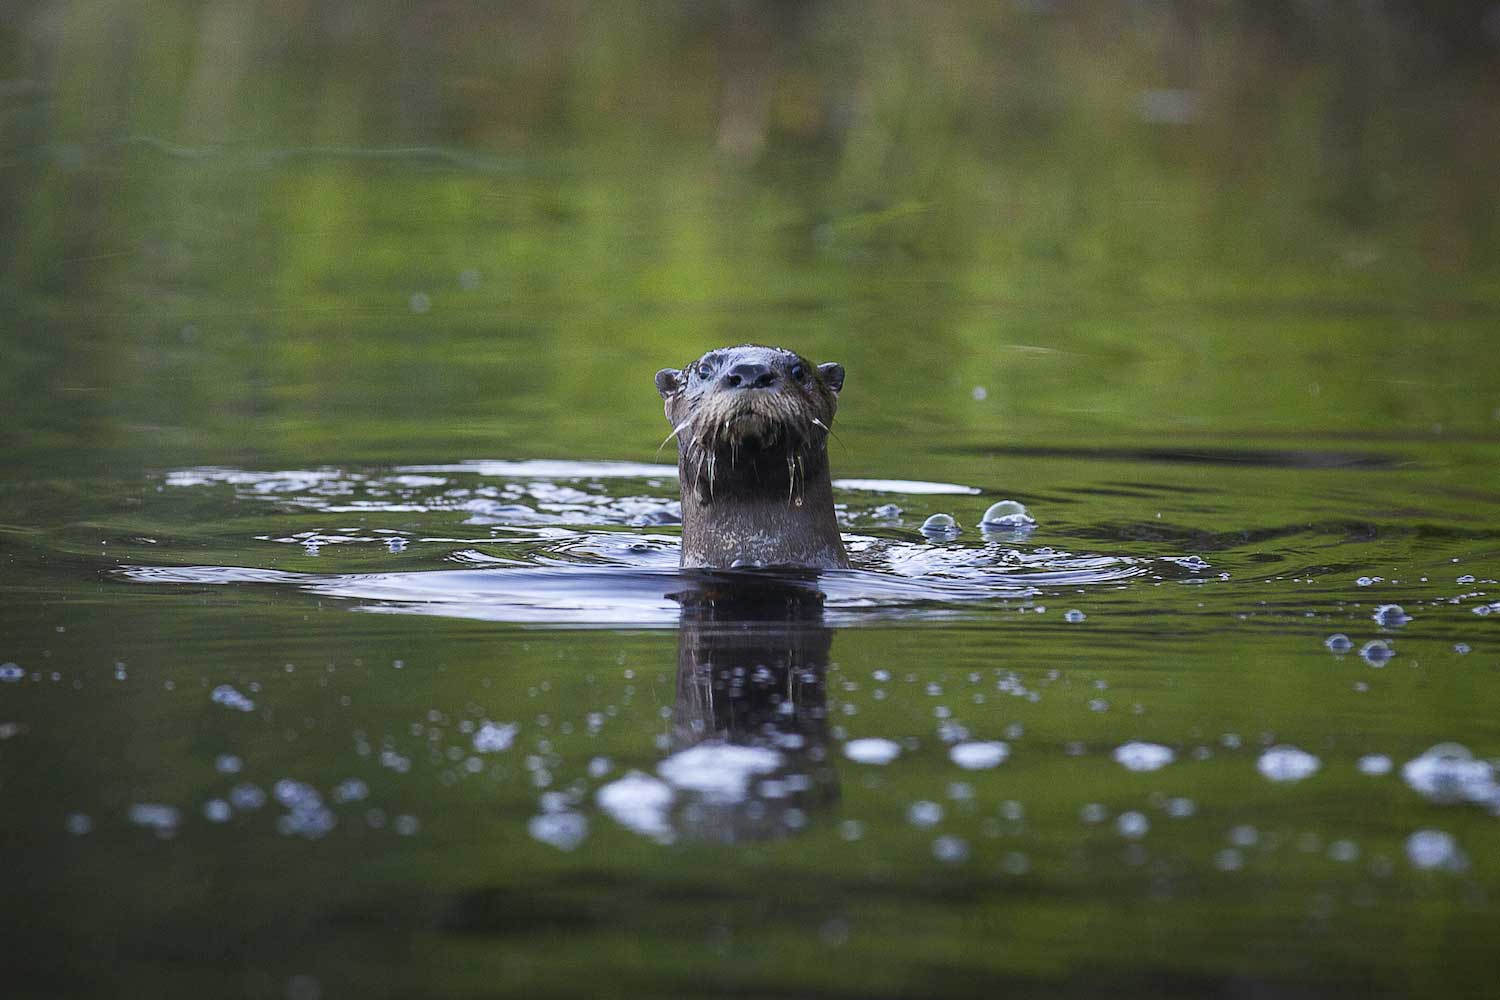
(752,428)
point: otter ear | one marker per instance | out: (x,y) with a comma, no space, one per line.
(833,375)
(668,382)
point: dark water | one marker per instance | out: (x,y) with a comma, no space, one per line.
(342,646)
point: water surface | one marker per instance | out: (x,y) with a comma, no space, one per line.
(342,645)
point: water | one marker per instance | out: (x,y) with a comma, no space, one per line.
(342,645)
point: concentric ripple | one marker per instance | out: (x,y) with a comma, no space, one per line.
(555,542)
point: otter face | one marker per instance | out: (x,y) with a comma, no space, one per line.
(751,397)
(751,421)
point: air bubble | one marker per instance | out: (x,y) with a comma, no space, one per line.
(1391,616)
(940,526)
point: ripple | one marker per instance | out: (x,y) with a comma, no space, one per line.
(558,543)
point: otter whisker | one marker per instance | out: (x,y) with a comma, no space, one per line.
(675,431)
(829,431)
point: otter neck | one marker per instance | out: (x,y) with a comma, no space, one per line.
(753,510)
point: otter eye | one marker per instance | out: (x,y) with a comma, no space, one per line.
(705,372)
(799,373)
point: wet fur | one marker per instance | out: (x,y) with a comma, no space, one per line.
(753,463)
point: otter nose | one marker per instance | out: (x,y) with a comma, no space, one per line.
(749,375)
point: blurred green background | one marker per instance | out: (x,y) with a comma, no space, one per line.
(369,231)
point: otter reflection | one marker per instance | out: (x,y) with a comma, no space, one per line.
(750,755)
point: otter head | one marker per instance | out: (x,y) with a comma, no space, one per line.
(752,427)
(751,419)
